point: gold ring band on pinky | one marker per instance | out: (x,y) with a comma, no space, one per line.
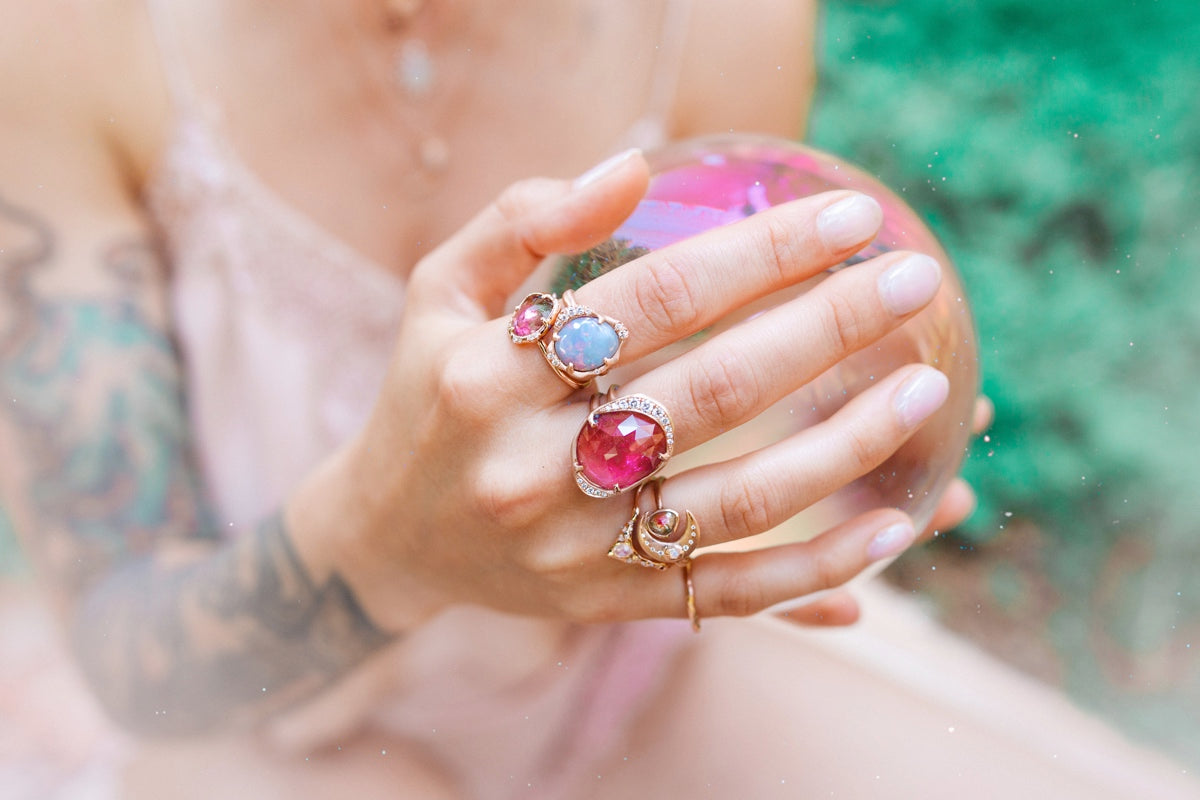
(659,538)
(578,343)
(623,443)
(690,589)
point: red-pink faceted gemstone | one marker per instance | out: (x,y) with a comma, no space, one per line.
(622,448)
(532,315)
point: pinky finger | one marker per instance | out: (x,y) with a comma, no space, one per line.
(744,583)
(956,505)
(836,609)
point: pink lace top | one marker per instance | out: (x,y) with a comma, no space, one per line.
(285,333)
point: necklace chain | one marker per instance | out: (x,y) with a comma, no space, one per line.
(415,74)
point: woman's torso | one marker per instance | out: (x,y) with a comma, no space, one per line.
(288,254)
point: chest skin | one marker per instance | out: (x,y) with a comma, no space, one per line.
(543,89)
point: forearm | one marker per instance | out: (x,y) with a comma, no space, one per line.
(177,631)
(222,641)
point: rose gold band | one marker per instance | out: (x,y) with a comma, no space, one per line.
(578,343)
(582,344)
(659,538)
(622,443)
(689,587)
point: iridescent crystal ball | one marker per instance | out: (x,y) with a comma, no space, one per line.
(703,183)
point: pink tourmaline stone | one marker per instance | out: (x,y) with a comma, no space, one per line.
(662,522)
(622,448)
(532,315)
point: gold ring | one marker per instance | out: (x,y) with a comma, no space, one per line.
(582,344)
(623,443)
(532,317)
(659,538)
(693,614)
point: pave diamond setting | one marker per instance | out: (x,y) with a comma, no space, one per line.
(533,317)
(621,445)
(583,344)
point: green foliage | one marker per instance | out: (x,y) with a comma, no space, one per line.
(1055,149)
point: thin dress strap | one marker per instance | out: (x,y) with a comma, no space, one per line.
(179,83)
(652,128)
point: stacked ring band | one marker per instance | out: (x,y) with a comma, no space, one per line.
(659,538)
(623,443)
(689,587)
(578,343)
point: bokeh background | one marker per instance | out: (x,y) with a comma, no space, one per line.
(1055,148)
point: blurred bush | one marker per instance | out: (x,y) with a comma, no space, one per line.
(1055,147)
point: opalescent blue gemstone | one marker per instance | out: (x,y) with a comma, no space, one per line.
(585,342)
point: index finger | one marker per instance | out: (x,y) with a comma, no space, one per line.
(493,253)
(683,288)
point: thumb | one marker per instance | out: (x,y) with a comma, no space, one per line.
(489,258)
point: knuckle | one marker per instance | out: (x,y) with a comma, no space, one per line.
(842,322)
(664,298)
(517,206)
(781,246)
(517,199)
(738,594)
(460,387)
(509,504)
(827,570)
(866,448)
(725,391)
(746,508)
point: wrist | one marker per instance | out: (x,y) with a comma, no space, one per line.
(340,526)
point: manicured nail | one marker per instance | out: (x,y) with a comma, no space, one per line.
(605,168)
(891,541)
(910,284)
(849,222)
(920,396)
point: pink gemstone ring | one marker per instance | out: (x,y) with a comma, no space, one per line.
(578,343)
(623,443)
(533,317)
(659,538)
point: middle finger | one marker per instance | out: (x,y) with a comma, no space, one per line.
(738,374)
(674,292)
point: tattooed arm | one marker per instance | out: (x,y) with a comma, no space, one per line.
(177,632)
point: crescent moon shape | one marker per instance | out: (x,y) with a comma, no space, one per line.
(661,544)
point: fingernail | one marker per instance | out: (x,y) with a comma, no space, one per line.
(891,541)
(849,222)
(605,168)
(910,284)
(920,396)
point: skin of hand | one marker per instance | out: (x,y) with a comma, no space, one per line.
(460,487)
(839,607)
(180,631)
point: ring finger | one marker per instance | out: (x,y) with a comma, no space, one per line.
(757,491)
(740,373)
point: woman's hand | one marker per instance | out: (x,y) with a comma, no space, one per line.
(460,488)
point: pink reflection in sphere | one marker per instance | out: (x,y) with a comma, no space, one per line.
(703,183)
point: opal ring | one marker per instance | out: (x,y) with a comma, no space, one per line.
(582,344)
(623,443)
(578,343)
(659,538)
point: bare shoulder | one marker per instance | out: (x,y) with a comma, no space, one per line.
(749,67)
(78,80)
